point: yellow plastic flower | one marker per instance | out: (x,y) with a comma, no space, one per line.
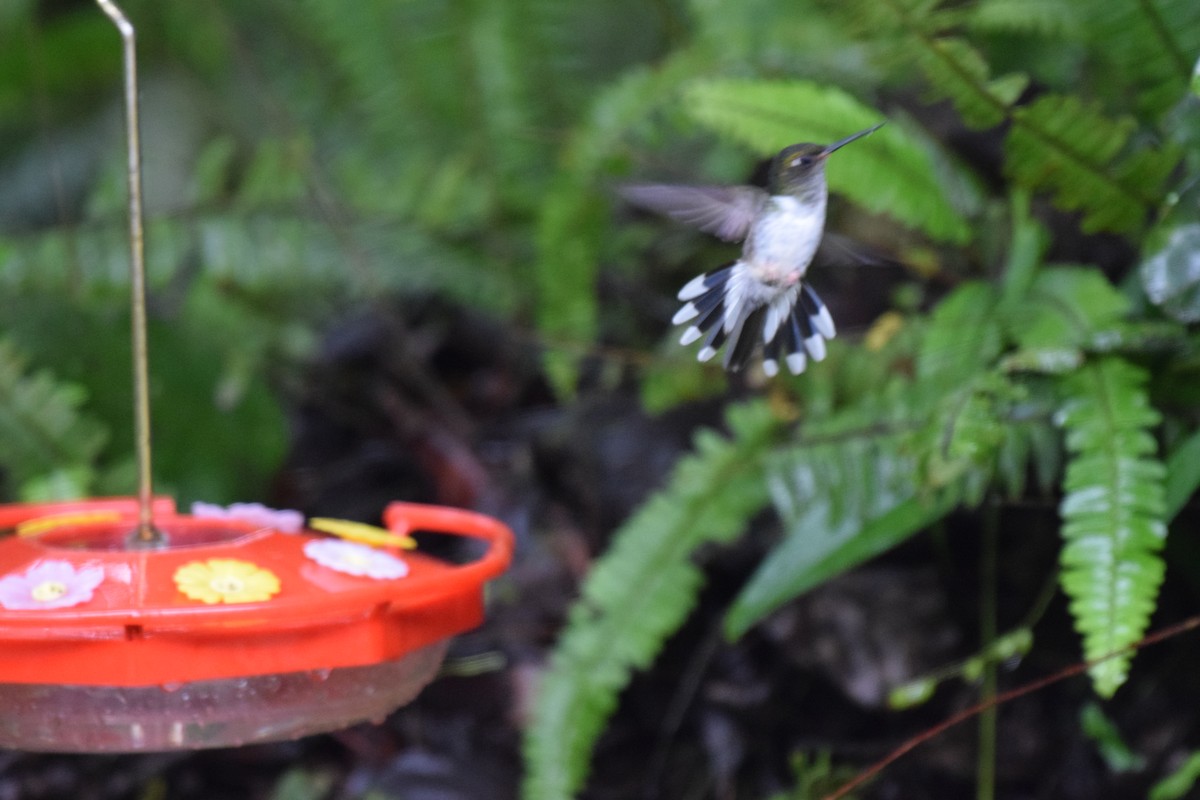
(226,580)
(362,533)
(37,525)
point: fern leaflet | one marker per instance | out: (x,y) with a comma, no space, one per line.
(1150,45)
(44,439)
(1044,17)
(1113,512)
(956,70)
(1060,144)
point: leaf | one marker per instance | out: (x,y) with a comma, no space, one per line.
(638,594)
(947,353)
(841,504)
(1104,734)
(1113,513)
(1062,145)
(1042,17)
(1027,245)
(1183,475)
(1180,782)
(278,256)
(888,171)
(802,563)
(956,70)
(570,228)
(953,67)
(1064,310)
(47,444)
(1149,44)
(965,433)
(1171,276)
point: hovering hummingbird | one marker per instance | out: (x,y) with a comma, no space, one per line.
(762,294)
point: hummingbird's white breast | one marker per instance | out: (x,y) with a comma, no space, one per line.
(782,241)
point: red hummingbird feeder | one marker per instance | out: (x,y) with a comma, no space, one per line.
(127,626)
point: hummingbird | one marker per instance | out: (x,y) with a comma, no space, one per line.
(763,295)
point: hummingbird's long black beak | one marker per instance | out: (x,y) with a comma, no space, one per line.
(843,142)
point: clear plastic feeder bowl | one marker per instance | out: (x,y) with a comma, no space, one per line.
(135,663)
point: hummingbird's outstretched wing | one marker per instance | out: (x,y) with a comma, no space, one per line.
(724,211)
(836,250)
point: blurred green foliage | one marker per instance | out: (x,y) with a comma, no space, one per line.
(304,158)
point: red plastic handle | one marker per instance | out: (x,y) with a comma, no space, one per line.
(404,518)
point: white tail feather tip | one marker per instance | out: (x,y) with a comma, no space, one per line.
(690,335)
(824,323)
(693,288)
(815,346)
(684,314)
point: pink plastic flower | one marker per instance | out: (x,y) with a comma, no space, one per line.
(355,559)
(283,520)
(49,584)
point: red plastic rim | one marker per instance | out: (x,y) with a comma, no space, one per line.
(139,629)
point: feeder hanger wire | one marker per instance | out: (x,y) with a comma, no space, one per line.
(146,535)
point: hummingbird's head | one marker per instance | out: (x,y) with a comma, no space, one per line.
(800,169)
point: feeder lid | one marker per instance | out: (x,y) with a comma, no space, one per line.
(225,598)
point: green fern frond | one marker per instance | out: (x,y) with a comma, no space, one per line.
(409,89)
(963,336)
(44,437)
(640,592)
(276,174)
(956,70)
(964,435)
(891,16)
(280,255)
(570,228)
(1056,144)
(957,380)
(1113,526)
(863,479)
(1061,145)
(1042,17)
(826,494)
(503,61)
(1029,441)
(1150,45)
(1064,310)
(888,172)
(915,32)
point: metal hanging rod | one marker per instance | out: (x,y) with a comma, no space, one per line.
(146,534)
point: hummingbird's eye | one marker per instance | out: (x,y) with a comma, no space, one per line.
(801,161)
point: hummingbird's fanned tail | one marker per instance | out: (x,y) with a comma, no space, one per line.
(743,341)
(705,296)
(727,306)
(817,312)
(714,307)
(800,335)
